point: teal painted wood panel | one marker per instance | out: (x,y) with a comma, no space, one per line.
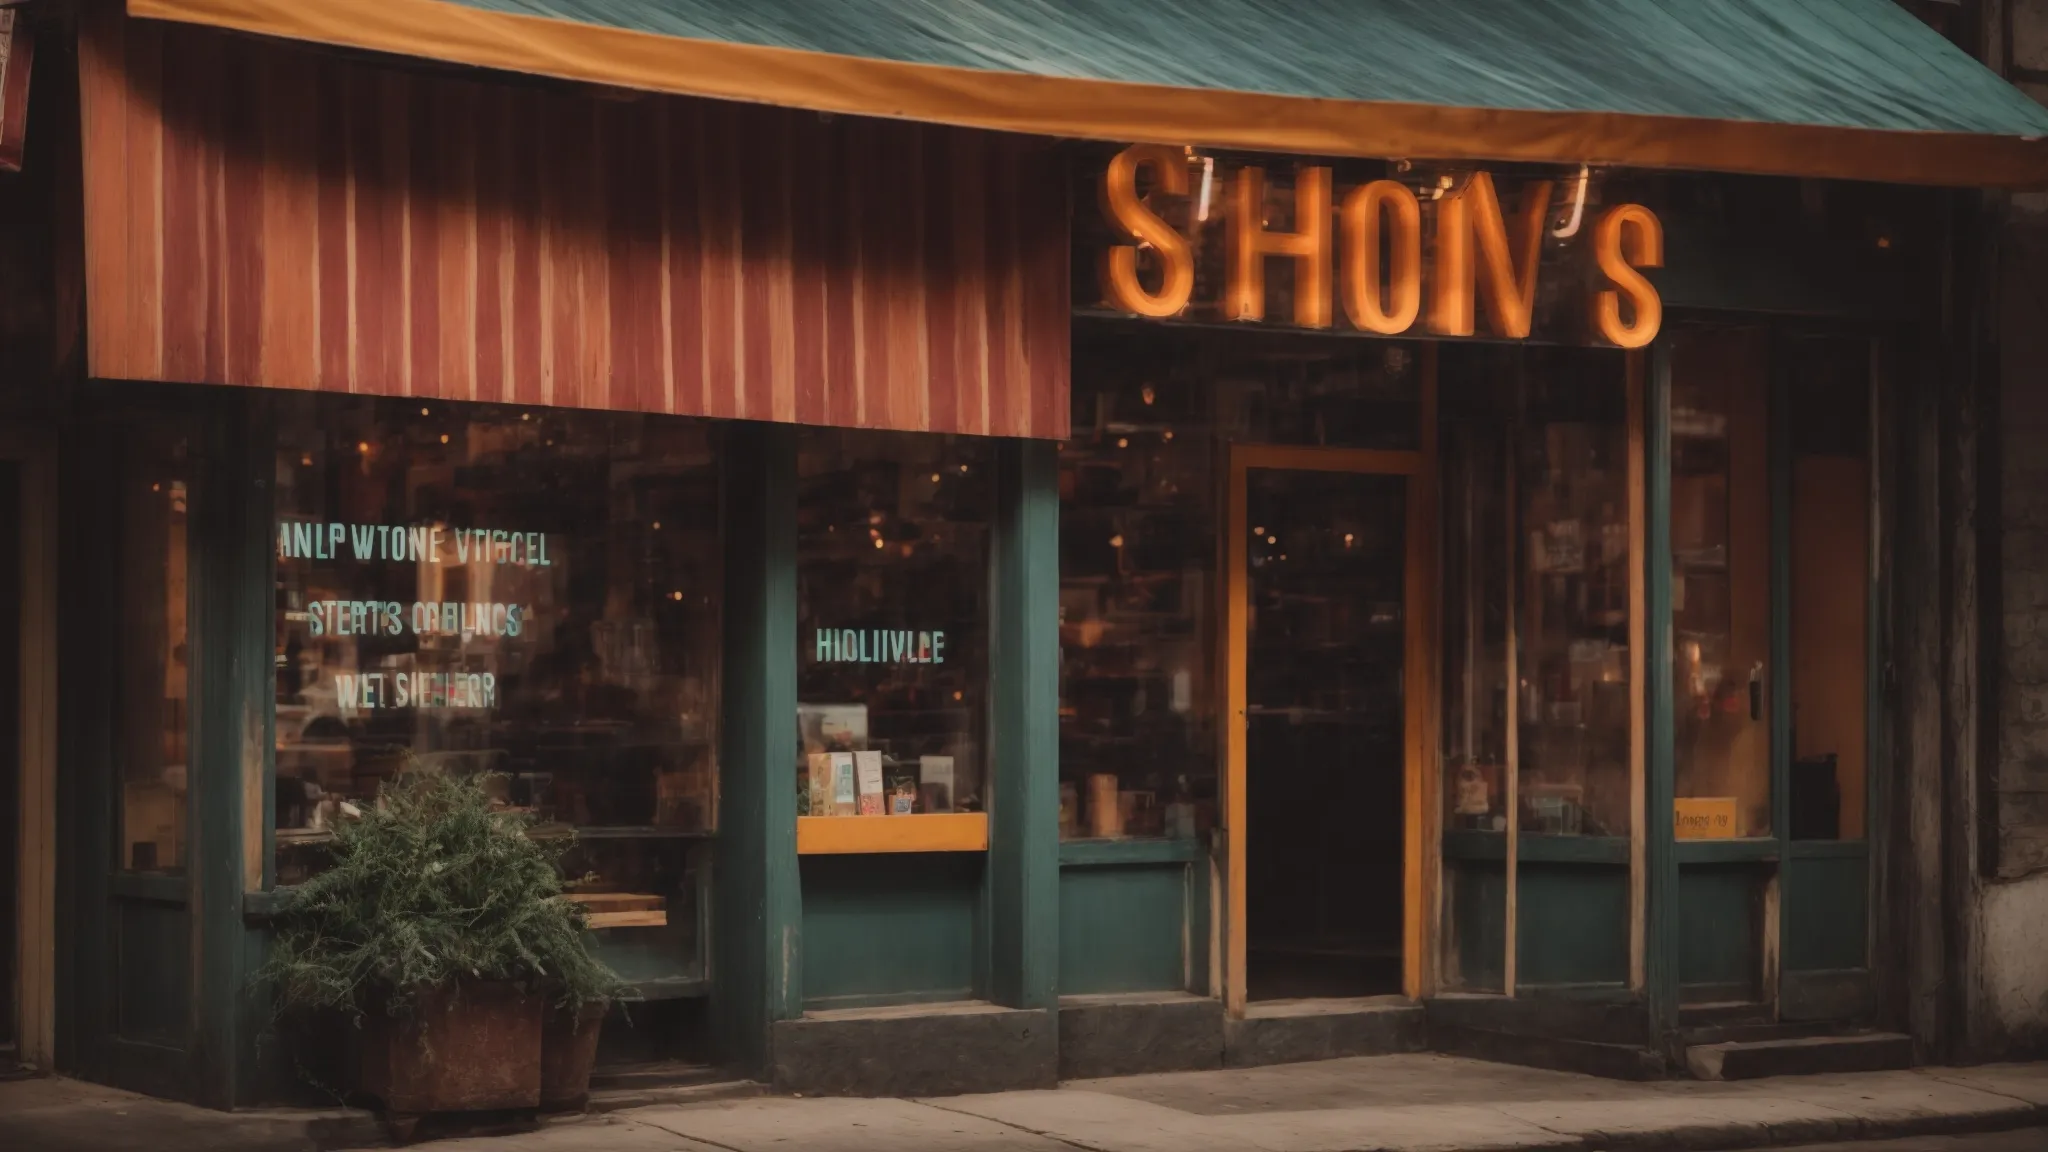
(1571,924)
(153,966)
(1827,906)
(232,601)
(894,928)
(1479,918)
(1122,929)
(1720,910)
(755,900)
(1023,899)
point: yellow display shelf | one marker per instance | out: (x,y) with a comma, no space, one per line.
(931,832)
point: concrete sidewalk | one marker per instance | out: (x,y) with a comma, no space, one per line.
(1407,1103)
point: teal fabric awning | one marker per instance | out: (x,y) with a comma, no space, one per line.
(1843,88)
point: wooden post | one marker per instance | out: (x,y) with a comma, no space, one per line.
(757,906)
(1660,854)
(1918,895)
(1023,862)
(234,642)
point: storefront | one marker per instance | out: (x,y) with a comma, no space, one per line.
(989,607)
(1380,617)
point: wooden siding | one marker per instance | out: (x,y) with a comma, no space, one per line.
(259,213)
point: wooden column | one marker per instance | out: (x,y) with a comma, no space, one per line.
(234,644)
(1023,860)
(1660,855)
(757,914)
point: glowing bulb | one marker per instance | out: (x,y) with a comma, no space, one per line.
(363,447)
(1116,541)
(1348,538)
(935,477)
(1258,531)
(1272,539)
(1167,435)
(1123,442)
(878,543)
(423,412)
(676,595)
(444,437)
(1147,394)
(306,461)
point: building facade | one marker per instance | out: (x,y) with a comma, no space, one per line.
(1008,579)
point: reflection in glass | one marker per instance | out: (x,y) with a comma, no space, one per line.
(155,718)
(533,593)
(892,622)
(1720,580)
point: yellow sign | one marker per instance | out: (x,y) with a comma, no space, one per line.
(1705,817)
(1365,248)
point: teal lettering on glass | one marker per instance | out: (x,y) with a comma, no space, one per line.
(877,646)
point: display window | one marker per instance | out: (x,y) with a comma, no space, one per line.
(1540,719)
(528,593)
(892,623)
(1721,580)
(1830,416)
(1537,609)
(1153,413)
(153,739)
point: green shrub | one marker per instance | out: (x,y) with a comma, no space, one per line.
(432,886)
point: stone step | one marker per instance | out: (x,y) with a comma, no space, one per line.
(1800,1056)
(1760,1030)
(1291,1031)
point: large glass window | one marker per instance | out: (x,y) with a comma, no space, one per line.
(1720,580)
(152,500)
(1140,479)
(1830,417)
(892,622)
(1537,638)
(532,593)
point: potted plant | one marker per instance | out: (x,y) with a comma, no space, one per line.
(442,929)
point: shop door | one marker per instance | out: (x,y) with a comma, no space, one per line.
(1324,635)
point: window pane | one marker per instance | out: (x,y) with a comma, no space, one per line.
(892,622)
(1830,415)
(154,733)
(1475,445)
(529,593)
(1720,580)
(1572,603)
(1138,488)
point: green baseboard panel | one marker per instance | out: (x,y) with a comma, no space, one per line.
(1571,923)
(890,929)
(1124,928)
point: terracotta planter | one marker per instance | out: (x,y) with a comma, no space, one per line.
(568,1047)
(468,1048)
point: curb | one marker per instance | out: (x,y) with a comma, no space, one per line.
(1850,1129)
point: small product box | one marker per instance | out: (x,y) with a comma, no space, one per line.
(867,770)
(843,793)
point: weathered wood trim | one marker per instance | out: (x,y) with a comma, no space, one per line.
(1660,857)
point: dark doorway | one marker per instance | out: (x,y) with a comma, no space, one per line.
(1325,760)
(10,743)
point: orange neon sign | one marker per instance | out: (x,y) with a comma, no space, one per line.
(1365,250)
